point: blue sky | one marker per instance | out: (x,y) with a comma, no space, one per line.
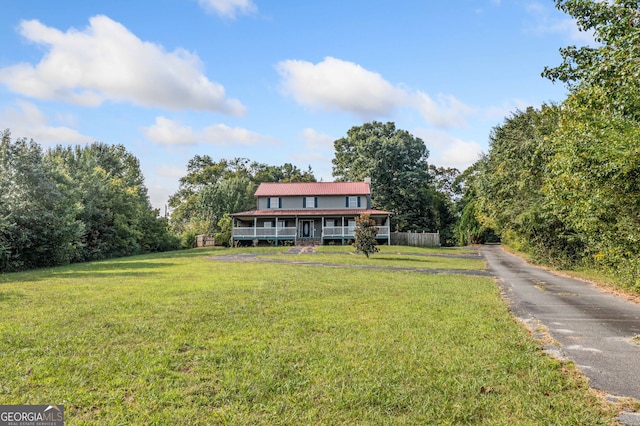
(273,81)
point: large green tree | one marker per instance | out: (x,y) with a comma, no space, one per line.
(72,204)
(38,225)
(116,214)
(445,193)
(594,181)
(229,195)
(613,64)
(286,173)
(468,229)
(211,189)
(509,188)
(396,162)
(563,183)
(202,170)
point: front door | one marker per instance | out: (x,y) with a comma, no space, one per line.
(307,229)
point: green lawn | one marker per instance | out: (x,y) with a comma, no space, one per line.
(178,338)
(384,249)
(391,260)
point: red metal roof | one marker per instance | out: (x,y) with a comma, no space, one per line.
(270,189)
(309,212)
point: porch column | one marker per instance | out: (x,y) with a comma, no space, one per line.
(255,228)
(233,228)
(295,238)
(342,231)
(322,231)
(388,230)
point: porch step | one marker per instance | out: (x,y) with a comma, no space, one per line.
(306,242)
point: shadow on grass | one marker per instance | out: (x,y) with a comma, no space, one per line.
(94,269)
(137,265)
(10,295)
(187,253)
(119,266)
(400,259)
(112,266)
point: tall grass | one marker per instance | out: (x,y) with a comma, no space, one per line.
(177,338)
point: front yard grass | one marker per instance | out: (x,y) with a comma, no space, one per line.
(176,338)
(385,249)
(416,261)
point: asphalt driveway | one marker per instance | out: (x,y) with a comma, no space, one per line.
(597,330)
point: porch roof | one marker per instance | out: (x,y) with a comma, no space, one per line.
(311,213)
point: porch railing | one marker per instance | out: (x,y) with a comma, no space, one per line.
(349,231)
(288,232)
(264,232)
(338,231)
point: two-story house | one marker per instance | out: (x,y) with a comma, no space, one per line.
(309,213)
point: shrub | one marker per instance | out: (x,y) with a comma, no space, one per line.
(366,232)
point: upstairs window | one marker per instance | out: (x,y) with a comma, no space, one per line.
(274,203)
(352,202)
(310,203)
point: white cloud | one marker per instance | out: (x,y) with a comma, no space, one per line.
(170,171)
(319,153)
(507,108)
(158,196)
(107,62)
(317,141)
(460,154)
(338,85)
(446,112)
(546,21)
(334,84)
(448,151)
(169,132)
(228,8)
(28,121)
(320,164)
(313,157)
(164,184)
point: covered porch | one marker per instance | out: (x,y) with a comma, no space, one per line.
(302,228)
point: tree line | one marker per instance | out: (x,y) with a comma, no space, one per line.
(73,204)
(562,182)
(420,196)
(402,182)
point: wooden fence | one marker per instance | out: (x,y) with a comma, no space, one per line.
(415,239)
(205,240)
